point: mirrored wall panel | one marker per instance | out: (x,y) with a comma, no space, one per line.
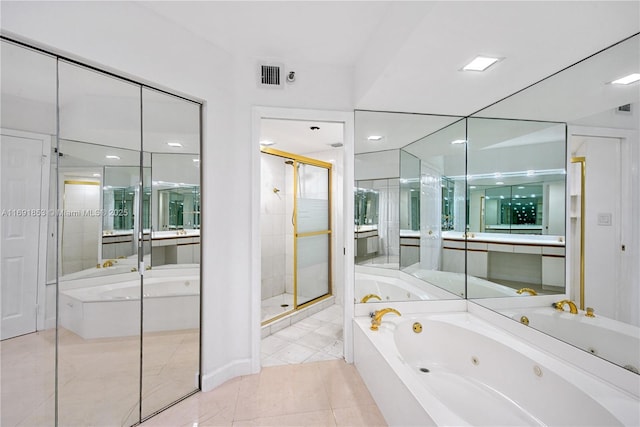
(28,236)
(99,297)
(397,223)
(602,204)
(439,161)
(171,258)
(516,207)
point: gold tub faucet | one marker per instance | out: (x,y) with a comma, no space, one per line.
(376,317)
(529,290)
(109,263)
(572,306)
(368,297)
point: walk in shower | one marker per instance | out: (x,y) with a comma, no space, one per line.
(295,231)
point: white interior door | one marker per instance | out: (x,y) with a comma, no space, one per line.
(24,169)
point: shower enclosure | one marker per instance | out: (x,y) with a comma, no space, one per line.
(295,231)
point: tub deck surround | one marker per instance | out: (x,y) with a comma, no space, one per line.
(430,378)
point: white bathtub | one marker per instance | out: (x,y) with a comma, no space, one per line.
(113,309)
(614,341)
(478,375)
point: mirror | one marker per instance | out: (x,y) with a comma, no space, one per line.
(98,336)
(516,206)
(436,164)
(602,207)
(76,347)
(397,178)
(171,183)
(28,243)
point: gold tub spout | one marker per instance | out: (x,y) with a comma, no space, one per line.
(376,317)
(368,297)
(529,290)
(572,306)
(109,263)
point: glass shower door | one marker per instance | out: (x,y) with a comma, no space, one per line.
(312,231)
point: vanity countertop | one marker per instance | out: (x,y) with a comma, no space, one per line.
(504,238)
(366,228)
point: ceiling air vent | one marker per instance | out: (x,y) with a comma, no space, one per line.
(270,75)
(626,108)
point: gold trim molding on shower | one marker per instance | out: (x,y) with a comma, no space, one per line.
(583,176)
(297,159)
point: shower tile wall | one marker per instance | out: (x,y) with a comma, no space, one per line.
(273,217)
(80,231)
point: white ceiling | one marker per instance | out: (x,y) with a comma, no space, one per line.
(406,55)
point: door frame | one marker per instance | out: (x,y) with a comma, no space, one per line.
(41,285)
(629,229)
(343,265)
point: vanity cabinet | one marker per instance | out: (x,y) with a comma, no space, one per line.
(526,260)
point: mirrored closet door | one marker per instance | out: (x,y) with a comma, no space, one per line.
(109,172)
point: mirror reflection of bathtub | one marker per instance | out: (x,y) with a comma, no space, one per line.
(615,341)
(99,307)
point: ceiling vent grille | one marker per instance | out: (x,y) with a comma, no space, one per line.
(270,75)
(626,108)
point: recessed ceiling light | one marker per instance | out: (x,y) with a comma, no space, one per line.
(374,138)
(531,172)
(499,183)
(473,187)
(96,174)
(112,157)
(627,80)
(480,63)
(266,143)
(196,160)
(497,175)
(459,141)
(174,144)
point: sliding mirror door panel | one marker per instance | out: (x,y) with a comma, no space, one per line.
(171,226)
(28,242)
(99,286)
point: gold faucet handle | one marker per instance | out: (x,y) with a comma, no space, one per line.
(590,312)
(528,290)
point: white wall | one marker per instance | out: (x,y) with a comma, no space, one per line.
(128,39)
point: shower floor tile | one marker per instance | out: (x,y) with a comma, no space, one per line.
(272,307)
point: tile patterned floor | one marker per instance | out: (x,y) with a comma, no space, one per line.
(315,338)
(327,393)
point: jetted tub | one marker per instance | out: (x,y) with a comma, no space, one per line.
(113,309)
(612,340)
(463,371)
